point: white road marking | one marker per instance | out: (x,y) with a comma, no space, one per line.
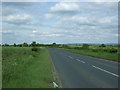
(70,57)
(80,60)
(105,71)
(77,59)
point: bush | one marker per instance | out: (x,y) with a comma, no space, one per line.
(85,46)
(77,47)
(102,45)
(60,47)
(69,48)
(113,50)
(65,46)
(95,50)
(35,49)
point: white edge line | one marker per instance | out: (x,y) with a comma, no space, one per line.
(105,71)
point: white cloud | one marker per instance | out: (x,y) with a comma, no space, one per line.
(34,31)
(6,31)
(48,34)
(61,10)
(85,20)
(45,34)
(77,19)
(48,16)
(67,10)
(89,0)
(17,19)
(117,35)
(103,0)
(60,1)
(21,0)
(105,20)
(53,35)
(64,7)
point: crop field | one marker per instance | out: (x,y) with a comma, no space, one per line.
(107,52)
(24,68)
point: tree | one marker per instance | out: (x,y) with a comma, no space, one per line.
(37,44)
(102,45)
(20,45)
(85,46)
(54,44)
(14,45)
(25,44)
(5,44)
(33,43)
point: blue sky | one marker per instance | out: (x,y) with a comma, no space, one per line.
(60,22)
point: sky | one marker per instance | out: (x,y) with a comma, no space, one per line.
(59,22)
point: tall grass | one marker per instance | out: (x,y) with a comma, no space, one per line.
(0,67)
(24,68)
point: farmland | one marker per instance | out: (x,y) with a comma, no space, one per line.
(107,52)
(24,68)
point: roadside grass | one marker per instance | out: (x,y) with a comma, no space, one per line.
(99,54)
(0,67)
(94,47)
(23,68)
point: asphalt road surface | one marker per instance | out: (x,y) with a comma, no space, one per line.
(79,71)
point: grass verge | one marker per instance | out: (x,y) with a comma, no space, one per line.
(23,68)
(55,75)
(103,55)
(0,67)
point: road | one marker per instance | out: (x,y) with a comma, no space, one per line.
(79,71)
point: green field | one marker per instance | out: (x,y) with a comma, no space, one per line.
(108,52)
(23,68)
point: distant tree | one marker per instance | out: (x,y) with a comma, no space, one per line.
(33,44)
(25,44)
(102,45)
(20,45)
(85,46)
(6,44)
(54,44)
(14,45)
(37,44)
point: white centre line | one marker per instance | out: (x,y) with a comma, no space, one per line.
(80,60)
(70,57)
(105,71)
(77,59)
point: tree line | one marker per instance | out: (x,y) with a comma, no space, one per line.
(33,44)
